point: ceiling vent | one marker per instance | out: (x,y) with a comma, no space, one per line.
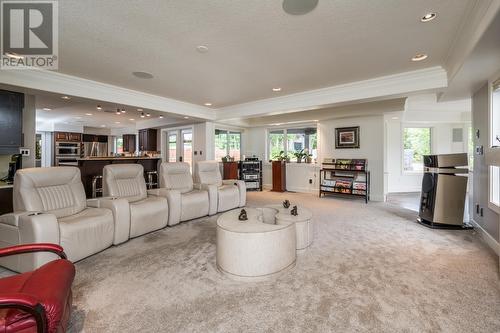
(299,7)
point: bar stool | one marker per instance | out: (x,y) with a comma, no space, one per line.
(96,189)
(150,183)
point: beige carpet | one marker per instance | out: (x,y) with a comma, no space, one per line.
(371,268)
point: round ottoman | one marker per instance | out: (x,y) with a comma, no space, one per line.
(303,223)
(254,249)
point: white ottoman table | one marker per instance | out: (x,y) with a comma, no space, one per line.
(254,249)
(303,223)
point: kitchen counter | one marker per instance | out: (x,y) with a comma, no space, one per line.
(91,167)
(5,197)
(5,185)
(111,158)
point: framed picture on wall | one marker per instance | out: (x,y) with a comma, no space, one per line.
(347,137)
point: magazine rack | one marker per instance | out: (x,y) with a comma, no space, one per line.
(345,177)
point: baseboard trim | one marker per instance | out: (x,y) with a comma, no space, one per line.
(487,238)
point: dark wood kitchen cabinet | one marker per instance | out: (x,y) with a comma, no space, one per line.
(129,143)
(68,136)
(11,122)
(147,139)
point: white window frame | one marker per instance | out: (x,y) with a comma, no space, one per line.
(402,147)
(232,131)
(284,129)
(493,153)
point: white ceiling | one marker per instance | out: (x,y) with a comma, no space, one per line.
(83,112)
(253,45)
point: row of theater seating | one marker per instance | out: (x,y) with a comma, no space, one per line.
(50,207)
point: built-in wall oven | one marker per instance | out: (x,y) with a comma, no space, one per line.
(67,153)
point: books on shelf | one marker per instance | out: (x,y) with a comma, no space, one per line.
(328,182)
(358,164)
(344,183)
(359,185)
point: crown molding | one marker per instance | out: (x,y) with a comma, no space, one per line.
(74,86)
(478,17)
(384,87)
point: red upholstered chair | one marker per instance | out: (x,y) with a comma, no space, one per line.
(40,300)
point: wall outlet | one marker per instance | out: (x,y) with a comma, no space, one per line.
(482,213)
(310,181)
(477,208)
(24,151)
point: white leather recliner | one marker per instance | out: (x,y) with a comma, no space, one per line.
(228,194)
(50,207)
(146,212)
(185,202)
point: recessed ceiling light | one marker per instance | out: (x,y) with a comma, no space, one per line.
(65,97)
(88,114)
(124,111)
(99,107)
(277,89)
(148,114)
(47,109)
(316,120)
(299,7)
(428,17)
(117,122)
(143,75)
(140,110)
(13,55)
(186,117)
(208,104)
(103,125)
(131,119)
(142,115)
(202,48)
(161,117)
(395,118)
(419,57)
(118,111)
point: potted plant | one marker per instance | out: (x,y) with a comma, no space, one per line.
(299,155)
(280,156)
(307,156)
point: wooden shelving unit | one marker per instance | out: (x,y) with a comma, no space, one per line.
(348,177)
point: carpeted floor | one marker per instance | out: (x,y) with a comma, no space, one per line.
(371,268)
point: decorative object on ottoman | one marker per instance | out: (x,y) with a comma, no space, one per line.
(303,224)
(294,211)
(243,215)
(286,204)
(254,250)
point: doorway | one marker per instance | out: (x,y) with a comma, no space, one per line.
(180,145)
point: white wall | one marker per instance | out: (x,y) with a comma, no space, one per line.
(298,175)
(371,147)
(441,143)
(29,130)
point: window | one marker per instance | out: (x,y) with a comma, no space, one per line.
(187,146)
(293,140)
(172,147)
(119,145)
(227,143)
(495,114)
(495,185)
(416,143)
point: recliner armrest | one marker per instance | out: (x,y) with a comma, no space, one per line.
(159,192)
(31,228)
(13,218)
(121,215)
(242,188)
(212,196)
(173,201)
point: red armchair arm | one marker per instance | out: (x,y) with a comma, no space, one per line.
(27,304)
(28,248)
